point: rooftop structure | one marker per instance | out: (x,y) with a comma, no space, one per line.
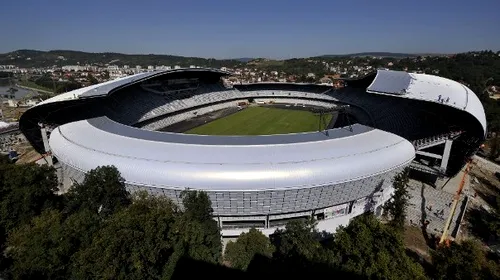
(400,120)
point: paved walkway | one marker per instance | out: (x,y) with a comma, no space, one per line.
(451,184)
(430,204)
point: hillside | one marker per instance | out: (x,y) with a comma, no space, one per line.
(376,54)
(34,58)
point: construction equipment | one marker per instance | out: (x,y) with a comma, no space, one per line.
(456,198)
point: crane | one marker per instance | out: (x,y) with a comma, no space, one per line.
(456,198)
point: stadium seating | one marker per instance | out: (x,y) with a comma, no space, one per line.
(406,118)
(287,93)
(295,102)
(164,122)
(146,104)
(140,105)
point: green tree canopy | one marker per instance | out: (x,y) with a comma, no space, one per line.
(397,205)
(374,250)
(102,232)
(298,241)
(135,243)
(103,190)
(463,261)
(146,239)
(197,205)
(200,233)
(92,79)
(25,190)
(40,250)
(44,249)
(240,253)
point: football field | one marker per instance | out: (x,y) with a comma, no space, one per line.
(262,121)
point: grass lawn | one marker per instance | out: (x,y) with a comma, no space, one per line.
(261,121)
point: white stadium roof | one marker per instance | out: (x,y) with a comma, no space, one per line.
(429,88)
(105,88)
(220,163)
(233,163)
(402,84)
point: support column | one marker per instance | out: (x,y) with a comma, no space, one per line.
(46,146)
(446,155)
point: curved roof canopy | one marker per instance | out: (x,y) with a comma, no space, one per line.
(230,162)
(108,87)
(68,107)
(429,88)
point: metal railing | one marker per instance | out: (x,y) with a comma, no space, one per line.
(434,140)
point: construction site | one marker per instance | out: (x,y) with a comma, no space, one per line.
(447,212)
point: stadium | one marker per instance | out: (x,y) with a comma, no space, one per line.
(265,153)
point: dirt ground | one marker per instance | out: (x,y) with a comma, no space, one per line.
(415,241)
(484,189)
(12,113)
(26,153)
(484,184)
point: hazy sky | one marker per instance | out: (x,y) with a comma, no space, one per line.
(251,28)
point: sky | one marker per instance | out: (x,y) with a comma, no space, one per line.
(251,28)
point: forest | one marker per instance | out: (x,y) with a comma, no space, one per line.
(98,230)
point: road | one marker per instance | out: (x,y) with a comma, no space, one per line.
(35,89)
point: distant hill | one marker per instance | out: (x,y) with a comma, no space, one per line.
(244,59)
(265,62)
(376,54)
(35,58)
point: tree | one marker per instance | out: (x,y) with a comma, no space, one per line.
(137,242)
(463,261)
(68,86)
(147,239)
(25,191)
(373,250)
(494,148)
(201,237)
(240,253)
(397,205)
(44,248)
(103,233)
(297,242)
(105,75)
(197,240)
(103,190)
(92,79)
(40,250)
(197,205)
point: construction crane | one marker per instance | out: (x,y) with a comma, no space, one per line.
(456,198)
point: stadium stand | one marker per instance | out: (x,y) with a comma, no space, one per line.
(148,105)
(263,181)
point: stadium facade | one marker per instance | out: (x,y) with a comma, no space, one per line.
(397,120)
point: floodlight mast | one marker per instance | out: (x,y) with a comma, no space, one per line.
(324,111)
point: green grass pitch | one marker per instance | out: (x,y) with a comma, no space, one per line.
(262,121)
